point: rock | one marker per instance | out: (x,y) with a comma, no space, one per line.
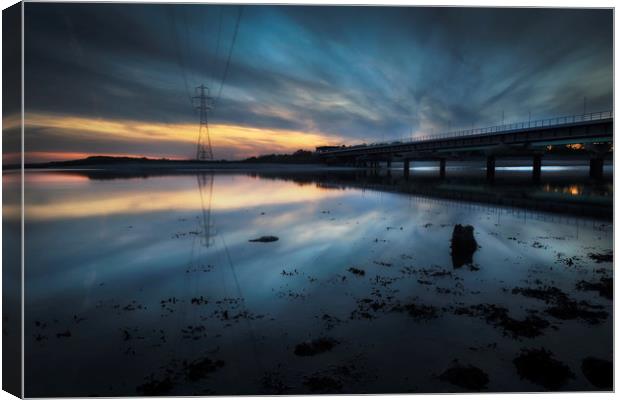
(264,239)
(468,377)
(463,246)
(599,372)
(538,366)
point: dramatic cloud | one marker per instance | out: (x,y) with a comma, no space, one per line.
(115,79)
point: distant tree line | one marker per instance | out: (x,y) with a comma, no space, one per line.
(298,157)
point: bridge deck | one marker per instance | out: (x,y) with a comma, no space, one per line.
(588,128)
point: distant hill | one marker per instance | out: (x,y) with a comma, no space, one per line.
(298,157)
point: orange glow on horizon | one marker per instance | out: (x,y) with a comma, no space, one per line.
(246,141)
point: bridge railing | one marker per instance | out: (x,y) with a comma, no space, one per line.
(570,119)
(557,121)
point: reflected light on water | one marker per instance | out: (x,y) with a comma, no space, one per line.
(97,200)
(573,190)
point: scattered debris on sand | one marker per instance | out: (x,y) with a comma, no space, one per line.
(602,257)
(599,372)
(539,366)
(529,327)
(468,377)
(604,287)
(314,347)
(264,239)
(463,245)
(357,271)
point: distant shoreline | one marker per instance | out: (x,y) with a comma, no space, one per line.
(136,164)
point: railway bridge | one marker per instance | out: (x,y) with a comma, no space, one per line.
(531,138)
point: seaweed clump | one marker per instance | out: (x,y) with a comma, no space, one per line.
(539,366)
(468,377)
(314,347)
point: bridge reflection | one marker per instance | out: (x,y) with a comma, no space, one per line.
(560,198)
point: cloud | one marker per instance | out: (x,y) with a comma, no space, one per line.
(351,73)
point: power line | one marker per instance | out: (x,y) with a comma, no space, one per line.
(179,55)
(187,45)
(219,35)
(230,50)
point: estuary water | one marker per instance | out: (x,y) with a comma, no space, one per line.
(150,284)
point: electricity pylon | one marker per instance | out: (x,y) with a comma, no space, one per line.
(203,147)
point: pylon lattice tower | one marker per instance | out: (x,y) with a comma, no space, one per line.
(204,152)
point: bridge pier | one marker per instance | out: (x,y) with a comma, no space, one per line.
(406,168)
(490,167)
(596,167)
(388,164)
(537,167)
(442,168)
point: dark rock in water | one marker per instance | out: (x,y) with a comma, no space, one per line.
(605,287)
(322,384)
(463,246)
(264,239)
(538,366)
(315,347)
(468,377)
(599,372)
(357,271)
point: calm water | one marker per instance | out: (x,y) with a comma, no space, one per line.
(149,285)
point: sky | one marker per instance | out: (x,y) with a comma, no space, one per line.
(117,79)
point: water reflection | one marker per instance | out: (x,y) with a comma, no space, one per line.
(148,284)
